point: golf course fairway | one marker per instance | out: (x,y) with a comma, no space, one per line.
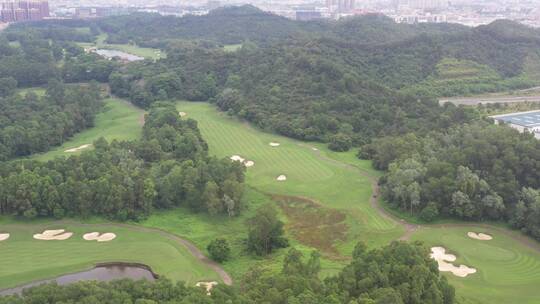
(24,259)
(118,120)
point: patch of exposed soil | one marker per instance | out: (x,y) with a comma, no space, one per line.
(314,225)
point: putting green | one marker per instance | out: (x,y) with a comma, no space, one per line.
(24,259)
(308,173)
(119,120)
(507,270)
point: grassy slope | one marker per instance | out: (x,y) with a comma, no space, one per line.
(333,186)
(119,120)
(23,259)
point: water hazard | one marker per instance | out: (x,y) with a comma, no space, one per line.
(105,272)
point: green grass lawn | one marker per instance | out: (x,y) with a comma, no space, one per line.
(507,271)
(150,53)
(23,259)
(39,91)
(119,120)
(232,47)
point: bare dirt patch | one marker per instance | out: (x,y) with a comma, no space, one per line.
(53,235)
(4,236)
(439,254)
(314,225)
(479,236)
(78,148)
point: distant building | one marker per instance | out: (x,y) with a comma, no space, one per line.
(212,4)
(306,15)
(340,6)
(522,121)
(420,18)
(30,10)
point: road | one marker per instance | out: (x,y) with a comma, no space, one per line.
(469,101)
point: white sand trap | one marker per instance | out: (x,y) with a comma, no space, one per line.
(4,236)
(281,178)
(237,158)
(207,285)
(249,163)
(182,114)
(96,236)
(53,235)
(275,144)
(314,149)
(78,148)
(479,236)
(439,255)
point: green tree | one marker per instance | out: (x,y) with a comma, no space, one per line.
(219,250)
(265,231)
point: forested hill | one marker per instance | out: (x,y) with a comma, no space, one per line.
(229,25)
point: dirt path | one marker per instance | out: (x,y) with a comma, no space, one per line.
(225,277)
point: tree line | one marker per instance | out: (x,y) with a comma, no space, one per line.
(169,167)
(398,273)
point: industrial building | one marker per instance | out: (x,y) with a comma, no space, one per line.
(522,121)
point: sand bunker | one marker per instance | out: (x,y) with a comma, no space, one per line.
(314,149)
(207,285)
(274,144)
(182,114)
(439,255)
(281,178)
(479,236)
(247,163)
(96,236)
(53,235)
(78,148)
(237,158)
(4,236)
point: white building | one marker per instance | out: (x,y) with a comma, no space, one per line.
(522,121)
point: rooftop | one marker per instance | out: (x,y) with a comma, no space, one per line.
(525,119)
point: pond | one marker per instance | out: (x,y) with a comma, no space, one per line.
(118,54)
(102,272)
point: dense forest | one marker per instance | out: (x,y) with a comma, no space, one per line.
(31,124)
(479,171)
(398,273)
(168,167)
